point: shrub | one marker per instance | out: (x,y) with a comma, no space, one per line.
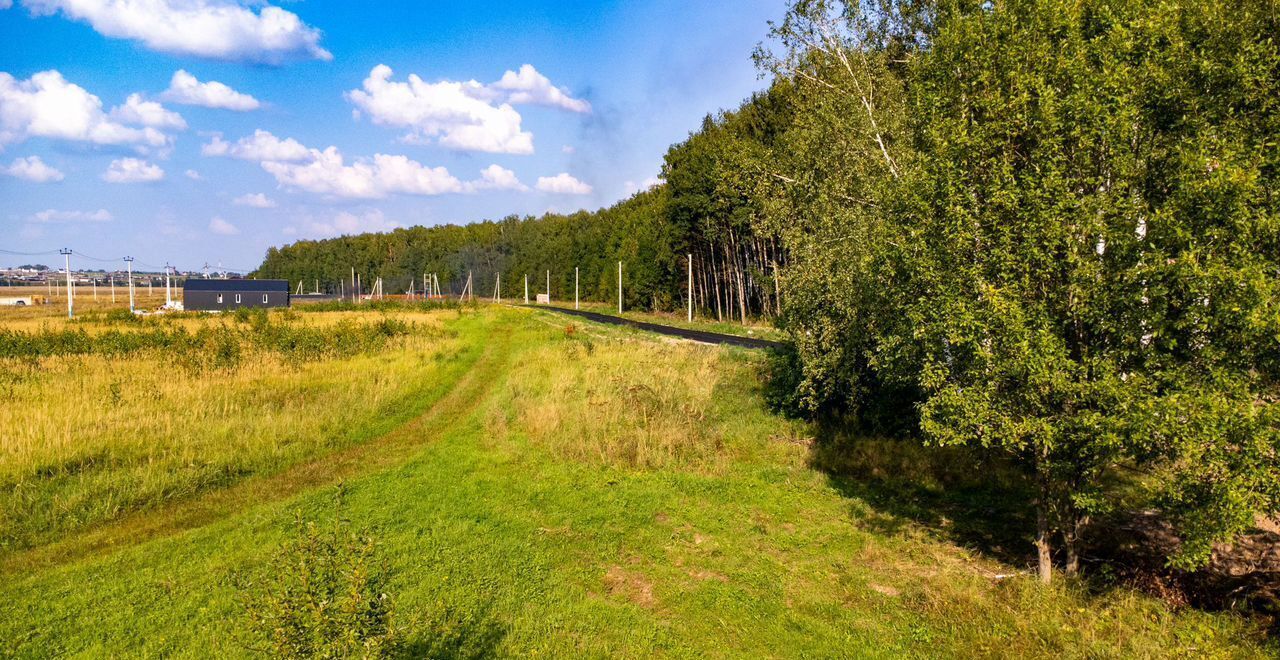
(323,594)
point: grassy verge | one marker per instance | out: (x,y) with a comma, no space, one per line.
(755,328)
(597,494)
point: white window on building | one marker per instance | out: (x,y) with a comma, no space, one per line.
(219,298)
(237,299)
(264,298)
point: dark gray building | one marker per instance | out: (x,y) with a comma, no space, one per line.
(218,295)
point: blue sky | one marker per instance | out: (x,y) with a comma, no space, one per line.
(196,131)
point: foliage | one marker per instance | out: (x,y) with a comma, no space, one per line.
(1056,220)
(322,595)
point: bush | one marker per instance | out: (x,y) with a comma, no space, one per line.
(323,594)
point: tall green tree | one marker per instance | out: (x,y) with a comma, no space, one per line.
(1072,247)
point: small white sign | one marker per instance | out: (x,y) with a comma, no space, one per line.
(544,299)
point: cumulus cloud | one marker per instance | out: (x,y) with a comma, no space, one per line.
(261,146)
(147,113)
(255,200)
(54,215)
(222,228)
(32,169)
(467,116)
(528,87)
(563,184)
(496,177)
(132,170)
(216,29)
(193,175)
(328,174)
(47,105)
(451,113)
(184,88)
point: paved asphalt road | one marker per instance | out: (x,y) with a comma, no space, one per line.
(684,333)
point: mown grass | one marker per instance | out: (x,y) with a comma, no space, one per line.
(594,493)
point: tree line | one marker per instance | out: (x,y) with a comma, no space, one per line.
(1045,229)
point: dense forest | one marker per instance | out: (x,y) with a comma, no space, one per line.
(1046,229)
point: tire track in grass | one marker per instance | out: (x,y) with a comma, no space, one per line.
(388,450)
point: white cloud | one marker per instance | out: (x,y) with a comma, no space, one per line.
(48,106)
(255,200)
(496,177)
(375,178)
(632,187)
(53,215)
(32,169)
(563,184)
(448,112)
(530,87)
(193,175)
(568,149)
(261,146)
(186,89)
(218,29)
(222,228)
(5,4)
(132,170)
(346,223)
(147,113)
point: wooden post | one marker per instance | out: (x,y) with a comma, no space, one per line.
(526,288)
(548,287)
(619,287)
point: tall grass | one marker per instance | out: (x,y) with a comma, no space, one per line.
(98,425)
(630,404)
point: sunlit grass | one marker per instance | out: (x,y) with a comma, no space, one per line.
(579,491)
(91,437)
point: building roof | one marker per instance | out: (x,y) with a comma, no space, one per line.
(255,286)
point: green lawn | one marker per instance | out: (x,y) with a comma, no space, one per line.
(593,493)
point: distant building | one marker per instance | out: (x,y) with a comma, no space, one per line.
(219,295)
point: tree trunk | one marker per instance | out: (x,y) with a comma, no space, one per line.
(1043,542)
(1071,541)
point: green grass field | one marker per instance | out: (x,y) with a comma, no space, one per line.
(536,485)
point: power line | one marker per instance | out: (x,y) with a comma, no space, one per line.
(30,254)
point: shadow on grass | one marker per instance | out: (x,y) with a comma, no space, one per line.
(950,492)
(457,636)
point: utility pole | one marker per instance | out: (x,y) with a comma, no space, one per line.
(575,287)
(113,288)
(548,287)
(66,252)
(498,288)
(168,293)
(128,262)
(526,288)
(619,287)
(95,288)
(353,284)
(690,294)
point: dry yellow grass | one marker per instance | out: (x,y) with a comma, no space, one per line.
(90,437)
